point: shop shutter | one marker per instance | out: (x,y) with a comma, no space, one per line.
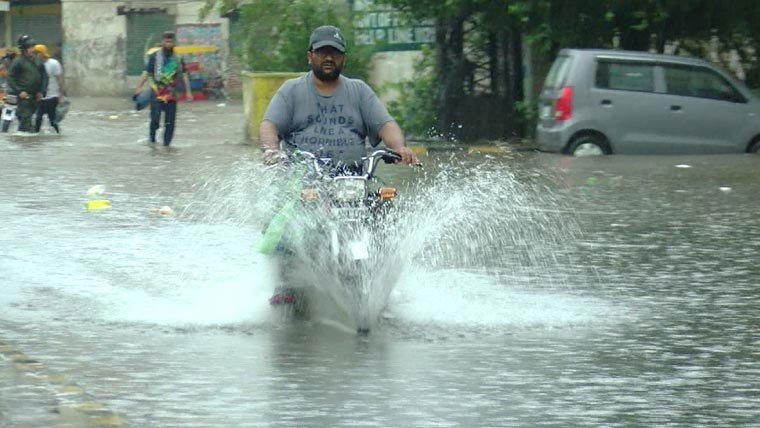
(144,31)
(44,28)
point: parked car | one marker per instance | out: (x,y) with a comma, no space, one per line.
(609,101)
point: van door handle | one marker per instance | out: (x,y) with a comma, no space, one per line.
(606,102)
(675,108)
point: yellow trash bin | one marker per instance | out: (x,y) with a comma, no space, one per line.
(258,89)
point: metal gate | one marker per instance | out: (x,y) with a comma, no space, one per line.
(41,21)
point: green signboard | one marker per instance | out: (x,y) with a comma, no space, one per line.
(389,29)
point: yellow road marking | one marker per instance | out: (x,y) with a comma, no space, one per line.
(87,406)
(418,150)
(108,420)
(489,149)
(28,366)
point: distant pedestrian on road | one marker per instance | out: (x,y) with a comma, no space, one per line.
(54,94)
(164,67)
(27,79)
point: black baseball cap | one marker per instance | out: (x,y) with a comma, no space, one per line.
(327,35)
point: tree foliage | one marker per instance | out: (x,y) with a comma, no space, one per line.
(273,35)
(416,109)
(477,55)
(479,39)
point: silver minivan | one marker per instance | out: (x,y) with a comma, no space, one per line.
(610,101)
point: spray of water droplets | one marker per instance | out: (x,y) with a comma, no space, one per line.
(457,214)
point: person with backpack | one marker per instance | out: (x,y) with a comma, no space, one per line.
(164,68)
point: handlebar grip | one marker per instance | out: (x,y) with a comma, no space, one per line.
(391,157)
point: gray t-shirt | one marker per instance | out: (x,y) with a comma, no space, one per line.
(334,126)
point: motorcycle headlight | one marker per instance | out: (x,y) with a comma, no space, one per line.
(350,189)
(386,193)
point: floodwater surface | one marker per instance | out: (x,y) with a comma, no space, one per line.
(534,289)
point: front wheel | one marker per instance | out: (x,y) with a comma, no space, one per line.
(588,145)
(755,147)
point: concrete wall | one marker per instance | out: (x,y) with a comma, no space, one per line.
(94,43)
(188,14)
(392,66)
(93,48)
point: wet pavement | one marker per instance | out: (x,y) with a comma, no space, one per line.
(538,289)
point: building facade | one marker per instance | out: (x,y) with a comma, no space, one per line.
(105,41)
(102,43)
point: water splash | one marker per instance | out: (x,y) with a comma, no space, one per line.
(479,215)
(465,215)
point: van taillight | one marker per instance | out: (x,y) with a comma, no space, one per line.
(563,109)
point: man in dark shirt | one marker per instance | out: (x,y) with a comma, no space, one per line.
(27,79)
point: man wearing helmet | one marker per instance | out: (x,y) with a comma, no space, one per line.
(27,79)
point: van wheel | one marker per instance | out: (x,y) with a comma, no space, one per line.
(755,147)
(588,145)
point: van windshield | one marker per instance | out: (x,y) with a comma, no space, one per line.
(558,72)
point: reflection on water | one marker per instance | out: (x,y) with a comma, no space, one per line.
(540,290)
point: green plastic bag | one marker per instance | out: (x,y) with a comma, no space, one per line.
(276,228)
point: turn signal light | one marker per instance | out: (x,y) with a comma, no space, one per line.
(308,194)
(386,193)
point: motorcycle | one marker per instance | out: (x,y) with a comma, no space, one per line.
(334,238)
(10,103)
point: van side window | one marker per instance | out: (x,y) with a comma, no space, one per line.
(626,76)
(699,82)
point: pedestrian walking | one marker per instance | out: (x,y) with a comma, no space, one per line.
(164,68)
(54,93)
(28,80)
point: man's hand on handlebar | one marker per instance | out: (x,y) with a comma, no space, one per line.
(407,155)
(273,156)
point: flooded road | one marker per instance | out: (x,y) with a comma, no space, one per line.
(539,290)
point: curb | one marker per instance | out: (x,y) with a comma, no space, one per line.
(72,401)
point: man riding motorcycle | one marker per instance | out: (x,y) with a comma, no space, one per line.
(327,114)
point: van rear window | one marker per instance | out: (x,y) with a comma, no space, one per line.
(558,72)
(626,76)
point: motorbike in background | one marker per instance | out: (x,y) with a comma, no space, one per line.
(10,103)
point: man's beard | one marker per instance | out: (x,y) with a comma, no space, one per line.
(327,77)
(168,50)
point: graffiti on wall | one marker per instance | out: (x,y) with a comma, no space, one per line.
(204,65)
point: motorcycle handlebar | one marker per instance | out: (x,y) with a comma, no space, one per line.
(388,156)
